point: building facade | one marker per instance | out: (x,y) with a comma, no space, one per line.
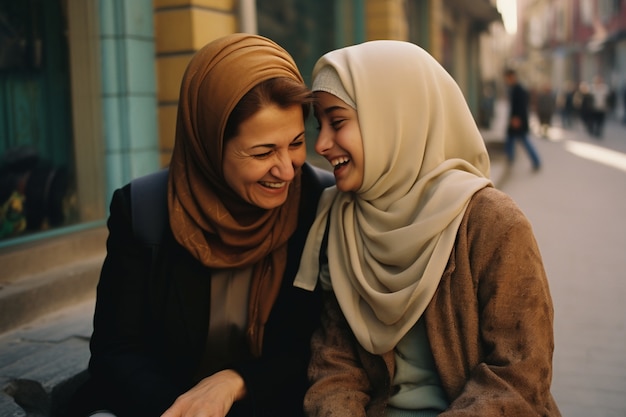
(572,40)
(88,101)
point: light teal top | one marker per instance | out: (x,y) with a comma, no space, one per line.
(419,388)
(398,412)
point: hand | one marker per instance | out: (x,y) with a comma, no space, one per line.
(211,397)
(516,122)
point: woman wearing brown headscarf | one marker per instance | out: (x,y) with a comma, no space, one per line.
(207,321)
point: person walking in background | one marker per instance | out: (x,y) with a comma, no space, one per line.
(207,322)
(600,105)
(545,105)
(624,105)
(487,106)
(517,127)
(583,105)
(565,104)
(436,301)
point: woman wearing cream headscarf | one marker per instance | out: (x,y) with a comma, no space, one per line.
(437,302)
(207,322)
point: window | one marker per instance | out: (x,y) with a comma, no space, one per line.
(48,179)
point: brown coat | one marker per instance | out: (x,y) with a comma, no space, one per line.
(489,325)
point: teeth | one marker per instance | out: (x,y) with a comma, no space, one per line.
(273,184)
(340,160)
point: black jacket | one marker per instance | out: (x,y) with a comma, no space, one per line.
(152,317)
(518,100)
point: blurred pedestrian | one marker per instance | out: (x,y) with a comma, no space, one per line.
(545,105)
(487,106)
(517,127)
(600,94)
(565,104)
(624,104)
(582,103)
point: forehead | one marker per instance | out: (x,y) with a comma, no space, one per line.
(325,101)
(271,125)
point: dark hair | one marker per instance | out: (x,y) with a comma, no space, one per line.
(284,92)
(509,72)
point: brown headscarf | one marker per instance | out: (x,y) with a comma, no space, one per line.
(207,217)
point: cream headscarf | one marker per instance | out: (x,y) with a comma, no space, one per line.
(390,241)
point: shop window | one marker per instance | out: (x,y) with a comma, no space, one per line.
(302,27)
(34,120)
(39,189)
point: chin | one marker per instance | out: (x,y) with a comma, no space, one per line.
(269,204)
(345,188)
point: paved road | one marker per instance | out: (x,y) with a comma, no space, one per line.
(576,204)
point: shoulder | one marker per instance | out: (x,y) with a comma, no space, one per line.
(148,197)
(496,235)
(313,176)
(491,197)
(314,181)
(491,212)
(520,90)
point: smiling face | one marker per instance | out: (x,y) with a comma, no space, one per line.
(261,160)
(339,140)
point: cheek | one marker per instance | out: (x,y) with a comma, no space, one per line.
(355,141)
(239,176)
(345,140)
(298,157)
(252,173)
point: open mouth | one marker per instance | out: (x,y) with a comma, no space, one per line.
(339,162)
(273,185)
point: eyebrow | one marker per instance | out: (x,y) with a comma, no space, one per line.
(328,110)
(272,145)
(333,108)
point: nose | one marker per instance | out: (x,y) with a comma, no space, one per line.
(323,142)
(283,169)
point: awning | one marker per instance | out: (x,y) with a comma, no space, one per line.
(481,10)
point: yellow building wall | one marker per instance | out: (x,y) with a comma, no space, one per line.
(386,19)
(435,19)
(182,27)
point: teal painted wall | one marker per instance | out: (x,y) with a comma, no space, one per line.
(128,90)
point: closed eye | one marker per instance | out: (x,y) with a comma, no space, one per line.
(336,124)
(297,144)
(263,155)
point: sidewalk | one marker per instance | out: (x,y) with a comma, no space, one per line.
(575,204)
(42,363)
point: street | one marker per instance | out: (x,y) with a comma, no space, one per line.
(576,204)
